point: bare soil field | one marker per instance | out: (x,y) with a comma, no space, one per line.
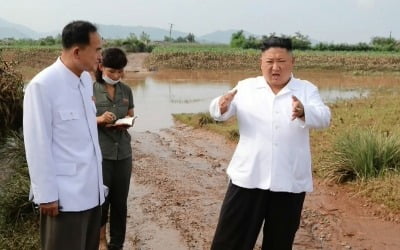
(179,182)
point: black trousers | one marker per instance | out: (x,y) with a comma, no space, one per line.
(244,211)
(71,230)
(116,176)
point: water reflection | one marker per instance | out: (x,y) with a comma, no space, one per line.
(161,94)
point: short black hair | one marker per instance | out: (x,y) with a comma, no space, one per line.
(276,42)
(77,33)
(114,58)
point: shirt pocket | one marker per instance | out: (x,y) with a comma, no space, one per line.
(67,115)
(66,169)
(102,107)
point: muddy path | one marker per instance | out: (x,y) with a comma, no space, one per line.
(179,182)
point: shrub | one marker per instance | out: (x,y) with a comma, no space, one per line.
(11,96)
(18,220)
(362,154)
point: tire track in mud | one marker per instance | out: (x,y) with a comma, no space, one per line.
(178,184)
(181,185)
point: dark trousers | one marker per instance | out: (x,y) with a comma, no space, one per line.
(71,230)
(244,211)
(116,176)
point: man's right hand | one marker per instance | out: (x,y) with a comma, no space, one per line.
(226,100)
(50,209)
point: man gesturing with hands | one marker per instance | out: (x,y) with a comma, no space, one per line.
(270,170)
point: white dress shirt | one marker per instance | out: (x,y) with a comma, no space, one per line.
(273,152)
(61,140)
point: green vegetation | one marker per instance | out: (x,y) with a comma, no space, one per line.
(190,38)
(228,128)
(48,41)
(132,43)
(303,42)
(361,147)
(19,227)
(364,154)
(239,40)
(18,219)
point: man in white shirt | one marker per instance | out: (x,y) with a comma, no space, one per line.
(61,143)
(270,170)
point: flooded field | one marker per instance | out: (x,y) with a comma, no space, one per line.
(160,94)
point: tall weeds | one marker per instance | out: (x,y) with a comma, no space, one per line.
(18,220)
(11,95)
(363,154)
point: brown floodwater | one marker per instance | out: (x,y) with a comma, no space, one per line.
(160,94)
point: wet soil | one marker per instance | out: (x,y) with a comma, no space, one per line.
(179,182)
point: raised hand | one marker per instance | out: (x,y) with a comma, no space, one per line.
(226,100)
(297,109)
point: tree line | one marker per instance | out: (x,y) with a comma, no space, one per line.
(132,43)
(303,42)
(143,43)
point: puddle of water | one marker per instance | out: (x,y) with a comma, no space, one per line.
(155,101)
(159,95)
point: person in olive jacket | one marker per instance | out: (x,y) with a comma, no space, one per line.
(114,100)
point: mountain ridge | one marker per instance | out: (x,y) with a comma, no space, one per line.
(109,31)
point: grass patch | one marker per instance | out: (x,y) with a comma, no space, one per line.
(203,120)
(19,227)
(364,154)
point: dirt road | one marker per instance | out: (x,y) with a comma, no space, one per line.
(179,182)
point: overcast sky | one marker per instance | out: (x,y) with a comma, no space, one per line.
(348,21)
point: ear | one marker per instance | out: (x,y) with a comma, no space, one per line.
(75,52)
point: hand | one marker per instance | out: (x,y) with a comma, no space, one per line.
(226,100)
(50,209)
(298,109)
(107,117)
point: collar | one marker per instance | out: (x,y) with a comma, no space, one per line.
(103,86)
(290,86)
(69,76)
